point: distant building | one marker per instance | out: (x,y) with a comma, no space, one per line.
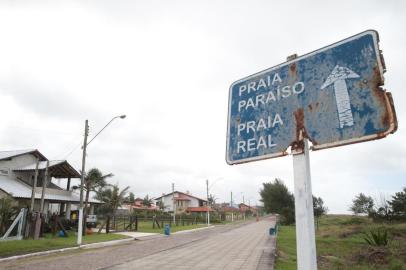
(184,203)
(139,205)
(244,208)
(226,208)
(17,170)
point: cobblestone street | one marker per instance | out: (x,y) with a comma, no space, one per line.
(241,246)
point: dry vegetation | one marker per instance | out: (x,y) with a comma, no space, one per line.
(341,245)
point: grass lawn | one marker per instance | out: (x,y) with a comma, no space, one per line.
(17,247)
(340,245)
(146,226)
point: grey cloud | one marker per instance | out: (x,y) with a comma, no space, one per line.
(45,99)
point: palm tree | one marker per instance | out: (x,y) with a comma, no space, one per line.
(147,201)
(131,198)
(94,180)
(112,197)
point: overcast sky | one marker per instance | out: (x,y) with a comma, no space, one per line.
(168,66)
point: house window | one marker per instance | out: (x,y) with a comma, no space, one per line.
(4,171)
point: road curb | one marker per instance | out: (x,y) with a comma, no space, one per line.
(87,246)
(37,254)
(194,230)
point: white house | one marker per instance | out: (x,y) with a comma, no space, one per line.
(184,202)
(17,170)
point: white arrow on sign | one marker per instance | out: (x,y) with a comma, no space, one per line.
(338,77)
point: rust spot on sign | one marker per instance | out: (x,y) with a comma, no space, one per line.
(293,72)
(380,94)
(293,67)
(298,144)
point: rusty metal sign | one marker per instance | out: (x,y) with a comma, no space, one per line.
(332,96)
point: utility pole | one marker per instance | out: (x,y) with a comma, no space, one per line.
(82,181)
(44,186)
(34,185)
(243,202)
(232,208)
(208,203)
(174,204)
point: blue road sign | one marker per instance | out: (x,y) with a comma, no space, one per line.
(332,96)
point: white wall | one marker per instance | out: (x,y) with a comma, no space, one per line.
(168,202)
(193,202)
(17,162)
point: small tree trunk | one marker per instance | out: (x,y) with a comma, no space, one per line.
(85,211)
(108,224)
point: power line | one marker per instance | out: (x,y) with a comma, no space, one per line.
(73,150)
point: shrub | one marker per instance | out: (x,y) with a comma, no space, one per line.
(377,237)
(7,212)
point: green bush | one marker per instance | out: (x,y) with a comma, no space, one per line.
(377,237)
(7,212)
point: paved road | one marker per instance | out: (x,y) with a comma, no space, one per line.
(243,246)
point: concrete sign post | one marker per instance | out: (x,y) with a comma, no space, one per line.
(304,216)
(330,97)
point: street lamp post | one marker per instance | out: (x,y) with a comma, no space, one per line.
(82,178)
(173,204)
(208,204)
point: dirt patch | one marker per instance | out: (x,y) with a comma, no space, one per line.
(372,256)
(350,231)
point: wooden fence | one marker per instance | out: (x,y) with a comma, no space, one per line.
(132,223)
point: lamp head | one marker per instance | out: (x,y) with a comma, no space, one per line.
(123,116)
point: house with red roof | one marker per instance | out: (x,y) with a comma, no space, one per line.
(138,204)
(244,208)
(181,202)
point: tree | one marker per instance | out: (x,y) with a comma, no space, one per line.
(147,201)
(211,199)
(94,180)
(160,205)
(382,210)
(362,204)
(131,198)
(277,199)
(7,211)
(318,209)
(398,204)
(112,198)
